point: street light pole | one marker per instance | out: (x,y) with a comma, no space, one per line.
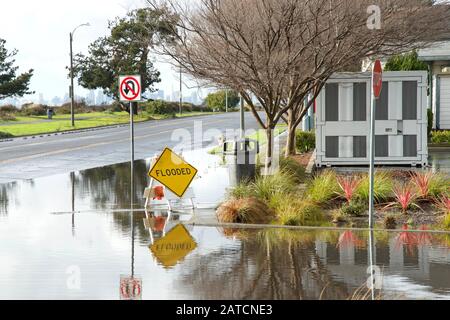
(242,118)
(71,93)
(226,100)
(181,93)
(72,99)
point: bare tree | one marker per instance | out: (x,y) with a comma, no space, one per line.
(280,51)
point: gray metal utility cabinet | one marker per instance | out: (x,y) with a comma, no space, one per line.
(343,120)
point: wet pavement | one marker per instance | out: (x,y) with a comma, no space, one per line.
(45,155)
(440,161)
(84,255)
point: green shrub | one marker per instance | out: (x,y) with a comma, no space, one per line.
(5,135)
(305,141)
(34,110)
(9,108)
(161,107)
(355,208)
(79,107)
(338,216)
(115,107)
(382,187)
(295,212)
(7,116)
(440,137)
(323,187)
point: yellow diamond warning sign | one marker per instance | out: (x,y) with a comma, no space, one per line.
(173,172)
(175,246)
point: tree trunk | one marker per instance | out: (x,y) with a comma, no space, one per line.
(269,155)
(291,148)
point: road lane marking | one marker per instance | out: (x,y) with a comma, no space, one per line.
(51,153)
(124,126)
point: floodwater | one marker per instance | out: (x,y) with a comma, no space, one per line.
(84,255)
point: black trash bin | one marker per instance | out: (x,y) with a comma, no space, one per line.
(50,114)
(241,159)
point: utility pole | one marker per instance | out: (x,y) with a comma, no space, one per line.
(242,111)
(226,100)
(181,92)
(71,91)
(72,99)
(377,85)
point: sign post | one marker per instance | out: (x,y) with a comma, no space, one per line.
(130,90)
(377,84)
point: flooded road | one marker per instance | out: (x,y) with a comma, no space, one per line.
(84,255)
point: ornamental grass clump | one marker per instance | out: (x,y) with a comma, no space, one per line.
(323,187)
(439,185)
(446,222)
(292,168)
(296,212)
(266,187)
(383,185)
(246,210)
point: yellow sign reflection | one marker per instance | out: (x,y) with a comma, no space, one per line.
(174,247)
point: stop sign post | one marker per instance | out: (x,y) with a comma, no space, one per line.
(377,85)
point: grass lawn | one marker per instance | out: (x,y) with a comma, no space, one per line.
(20,119)
(63,123)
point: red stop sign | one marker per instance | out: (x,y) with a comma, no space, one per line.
(377,78)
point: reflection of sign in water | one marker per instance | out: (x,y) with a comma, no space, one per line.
(173,172)
(130,288)
(175,246)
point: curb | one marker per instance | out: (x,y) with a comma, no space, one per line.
(294,228)
(312,163)
(439,147)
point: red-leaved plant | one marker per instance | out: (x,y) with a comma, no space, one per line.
(405,198)
(408,239)
(348,186)
(348,238)
(443,204)
(422,182)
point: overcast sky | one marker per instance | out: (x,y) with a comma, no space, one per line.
(40,31)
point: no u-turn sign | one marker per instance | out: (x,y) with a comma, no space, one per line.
(130,88)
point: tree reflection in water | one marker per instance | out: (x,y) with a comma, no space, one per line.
(7,191)
(267,264)
(109,188)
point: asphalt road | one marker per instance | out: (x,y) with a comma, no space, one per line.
(49,155)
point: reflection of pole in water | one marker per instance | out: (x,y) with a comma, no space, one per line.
(132,186)
(72,180)
(372,263)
